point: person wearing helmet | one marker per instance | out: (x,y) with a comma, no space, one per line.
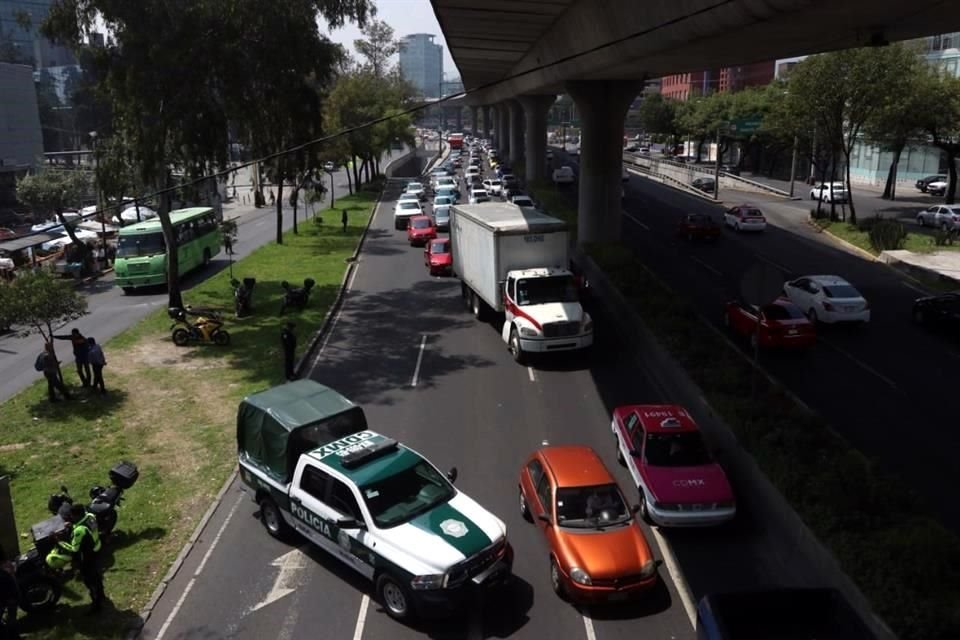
(84,546)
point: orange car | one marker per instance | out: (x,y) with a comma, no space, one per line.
(598,552)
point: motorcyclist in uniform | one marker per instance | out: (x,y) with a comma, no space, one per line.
(84,545)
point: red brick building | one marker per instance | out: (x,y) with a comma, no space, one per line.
(683,86)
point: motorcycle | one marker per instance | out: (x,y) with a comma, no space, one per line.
(243,295)
(207,328)
(296,296)
(40,584)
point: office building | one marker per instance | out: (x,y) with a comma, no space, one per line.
(21,140)
(421,63)
(31,47)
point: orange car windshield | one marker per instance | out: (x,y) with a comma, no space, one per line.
(591,507)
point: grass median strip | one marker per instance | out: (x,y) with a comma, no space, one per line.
(859,236)
(171,411)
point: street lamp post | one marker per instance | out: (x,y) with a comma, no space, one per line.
(103,221)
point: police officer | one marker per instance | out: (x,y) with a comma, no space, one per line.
(289,341)
(84,545)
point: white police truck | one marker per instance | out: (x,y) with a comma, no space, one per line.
(378,506)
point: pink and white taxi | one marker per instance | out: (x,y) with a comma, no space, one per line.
(680,484)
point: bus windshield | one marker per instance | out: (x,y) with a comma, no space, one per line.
(148,244)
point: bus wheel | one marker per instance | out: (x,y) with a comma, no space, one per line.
(127,290)
(206,257)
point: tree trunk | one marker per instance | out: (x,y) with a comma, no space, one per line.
(846,171)
(174,296)
(952,180)
(294,200)
(84,249)
(349,185)
(376,166)
(889,192)
(356,172)
(280,208)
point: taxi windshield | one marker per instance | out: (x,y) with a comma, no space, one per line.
(406,494)
(676,450)
(591,507)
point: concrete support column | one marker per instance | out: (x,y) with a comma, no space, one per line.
(460,119)
(603,107)
(503,129)
(474,124)
(515,112)
(497,131)
(487,122)
(535,110)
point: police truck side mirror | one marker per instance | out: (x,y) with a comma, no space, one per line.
(350,523)
(452,475)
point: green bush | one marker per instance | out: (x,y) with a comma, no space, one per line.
(887,235)
(903,560)
(943,238)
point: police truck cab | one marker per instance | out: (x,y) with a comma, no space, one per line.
(376,505)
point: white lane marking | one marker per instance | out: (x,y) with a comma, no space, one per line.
(533,378)
(773,263)
(706,266)
(636,220)
(353,276)
(863,365)
(361,618)
(261,223)
(588,626)
(678,580)
(416,370)
(196,574)
(290,564)
(914,288)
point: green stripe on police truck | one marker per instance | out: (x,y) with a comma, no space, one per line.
(456,529)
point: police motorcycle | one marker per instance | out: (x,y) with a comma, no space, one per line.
(42,571)
(208,326)
(296,296)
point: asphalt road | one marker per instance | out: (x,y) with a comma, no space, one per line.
(885,387)
(110,311)
(428,374)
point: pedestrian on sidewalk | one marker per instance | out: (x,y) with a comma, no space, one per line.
(289,341)
(98,361)
(343,219)
(80,354)
(273,198)
(48,364)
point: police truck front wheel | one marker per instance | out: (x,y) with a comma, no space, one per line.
(272,520)
(394,597)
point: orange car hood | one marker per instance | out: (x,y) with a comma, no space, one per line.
(619,551)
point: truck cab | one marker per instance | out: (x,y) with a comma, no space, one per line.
(543,313)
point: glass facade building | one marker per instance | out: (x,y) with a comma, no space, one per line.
(421,63)
(30,45)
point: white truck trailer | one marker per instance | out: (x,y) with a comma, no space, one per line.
(515,261)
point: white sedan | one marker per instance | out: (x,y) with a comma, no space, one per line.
(946,217)
(415,188)
(405,210)
(493,186)
(828,299)
(479,195)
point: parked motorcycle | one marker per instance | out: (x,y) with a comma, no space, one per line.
(243,295)
(208,327)
(41,585)
(297,297)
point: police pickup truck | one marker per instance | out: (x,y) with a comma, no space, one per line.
(376,505)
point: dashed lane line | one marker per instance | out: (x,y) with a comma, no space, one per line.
(416,370)
(636,221)
(707,266)
(860,363)
(588,626)
(361,618)
(773,263)
(679,582)
(533,378)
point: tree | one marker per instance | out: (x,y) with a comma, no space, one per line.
(377,47)
(658,115)
(41,303)
(941,117)
(54,191)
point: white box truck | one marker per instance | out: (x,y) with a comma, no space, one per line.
(514,261)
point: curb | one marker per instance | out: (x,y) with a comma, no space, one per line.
(148,608)
(849,245)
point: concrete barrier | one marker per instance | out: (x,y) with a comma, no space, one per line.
(686,173)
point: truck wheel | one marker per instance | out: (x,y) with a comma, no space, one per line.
(272,519)
(478,306)
(518,355)
(394,598)
(465,293)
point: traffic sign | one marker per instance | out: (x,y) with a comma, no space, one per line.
(745,125)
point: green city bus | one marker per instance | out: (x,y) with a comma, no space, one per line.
(142,253)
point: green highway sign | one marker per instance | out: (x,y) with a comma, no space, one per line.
(745,125)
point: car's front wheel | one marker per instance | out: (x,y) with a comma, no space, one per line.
(394,597)
(556,578)
(524,507)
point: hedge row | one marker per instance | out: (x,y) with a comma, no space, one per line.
(902,559)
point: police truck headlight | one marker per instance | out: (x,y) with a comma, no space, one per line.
(529,332)
(580,576)
(587,323)
(423,583)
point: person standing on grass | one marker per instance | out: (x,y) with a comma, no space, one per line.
(289,341)
(47,362)
(80,354)
(343,219)
(98,361)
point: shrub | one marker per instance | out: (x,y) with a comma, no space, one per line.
(943,238)
(887,234)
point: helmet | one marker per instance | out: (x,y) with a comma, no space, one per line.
(56,559)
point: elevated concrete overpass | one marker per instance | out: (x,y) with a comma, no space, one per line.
(535,44)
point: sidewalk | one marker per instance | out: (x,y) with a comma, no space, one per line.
(940,266)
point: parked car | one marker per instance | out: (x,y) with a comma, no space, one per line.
(678,481)
(437,257)
(829,192)
(745,217)
(707,185)
(597,550)
(938,311)
(923,183)
(780,324)
(946,217)
(698,226)
(828,299)
(479,195)
(937,187)
(563,175)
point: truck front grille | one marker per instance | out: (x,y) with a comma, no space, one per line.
(560,329)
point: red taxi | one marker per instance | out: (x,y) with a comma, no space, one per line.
(598,552)
(437,257)
(420,230)
(679,482)
(781,324)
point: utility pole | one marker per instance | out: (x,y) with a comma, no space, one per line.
(103,220)
(793,164)
(716,167)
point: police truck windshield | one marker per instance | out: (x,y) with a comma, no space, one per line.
(406,494)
